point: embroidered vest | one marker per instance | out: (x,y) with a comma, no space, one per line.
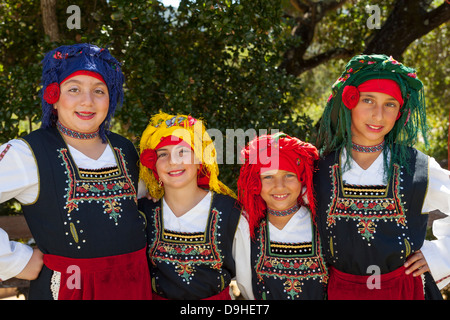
(371,226)
(287,271)
(192,265)
(83,213)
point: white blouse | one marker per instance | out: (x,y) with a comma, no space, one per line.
(19,179)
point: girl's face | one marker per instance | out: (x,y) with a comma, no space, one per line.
(83,103)
(176,167)
(373,117)
(280,189)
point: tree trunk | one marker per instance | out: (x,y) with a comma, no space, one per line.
(49,20)
(408,21)
(312,13)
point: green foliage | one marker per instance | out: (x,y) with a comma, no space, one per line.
(431,57)
(217,60)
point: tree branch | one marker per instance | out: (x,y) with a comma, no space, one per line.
(312,13)
(438,16)
(336,53)
(408,21)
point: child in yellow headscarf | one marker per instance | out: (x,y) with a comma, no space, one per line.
(195,226)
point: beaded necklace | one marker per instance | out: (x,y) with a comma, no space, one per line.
(369,149)
(283,213)
(75,134)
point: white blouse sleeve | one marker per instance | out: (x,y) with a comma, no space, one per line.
(241,255)
(14,256)
(18,172)
(437,252)
(19,180)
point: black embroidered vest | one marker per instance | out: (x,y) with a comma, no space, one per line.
(363,226)
(83,213)
(287,271)
(192,265)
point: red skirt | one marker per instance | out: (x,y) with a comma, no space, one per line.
(121,277)
(395,285)
(224,295)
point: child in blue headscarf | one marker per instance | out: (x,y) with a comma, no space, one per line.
(78,184)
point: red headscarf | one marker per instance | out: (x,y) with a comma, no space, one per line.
(268,152)
(149,158)
(350,94)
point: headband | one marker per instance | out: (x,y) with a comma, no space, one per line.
(350,94)
(84,73)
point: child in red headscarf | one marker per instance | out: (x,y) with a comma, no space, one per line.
(374,189)
(276,192)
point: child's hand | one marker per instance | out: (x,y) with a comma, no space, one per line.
(33,267)
(416,264)
(149,197)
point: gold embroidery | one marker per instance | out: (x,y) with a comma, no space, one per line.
(273,245)
(73,231)
(408,247)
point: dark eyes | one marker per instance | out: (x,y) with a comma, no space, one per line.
(181,153)
(387,104)
(96,91)
(288,176)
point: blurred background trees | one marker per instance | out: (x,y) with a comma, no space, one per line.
(237,64)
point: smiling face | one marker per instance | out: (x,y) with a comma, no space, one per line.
(280,189)
(175,166)
(83,103)
(373,117)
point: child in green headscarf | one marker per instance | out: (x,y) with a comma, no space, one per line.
(374,189)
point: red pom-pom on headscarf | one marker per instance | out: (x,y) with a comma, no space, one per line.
(350,96)
(51,93)
(148,158)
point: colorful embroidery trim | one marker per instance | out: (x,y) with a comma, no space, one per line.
(182,236)
(293,263)
(290,248)
(5,151)
(366,205)
(186,251)
(108,186)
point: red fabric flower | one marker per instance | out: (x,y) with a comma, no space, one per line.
(148,158)
(350,96)
(51,93)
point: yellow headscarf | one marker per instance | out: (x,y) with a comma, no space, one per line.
(191,131)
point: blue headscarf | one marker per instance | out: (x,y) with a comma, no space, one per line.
(65,60)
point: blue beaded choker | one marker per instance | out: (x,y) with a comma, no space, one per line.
(75,134)
(369,149)
(283,213)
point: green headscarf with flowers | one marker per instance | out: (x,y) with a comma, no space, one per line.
(335,127)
